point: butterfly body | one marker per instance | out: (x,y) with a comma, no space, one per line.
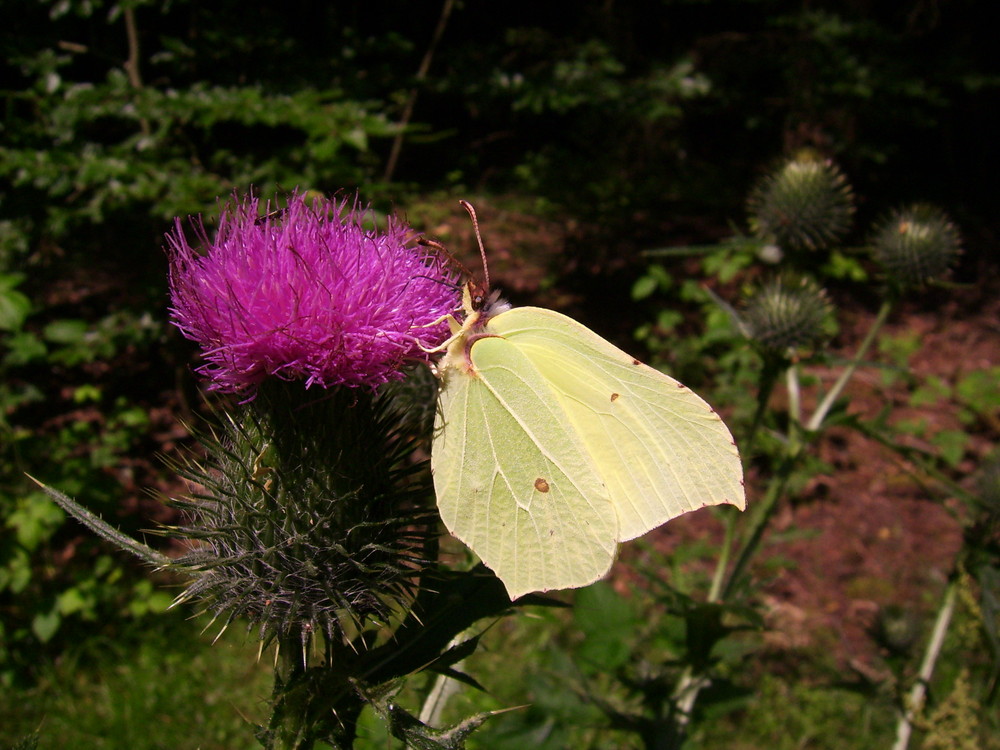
(552,446)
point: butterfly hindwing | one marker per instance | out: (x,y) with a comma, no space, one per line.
(514,481)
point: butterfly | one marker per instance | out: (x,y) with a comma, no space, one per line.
(552,446)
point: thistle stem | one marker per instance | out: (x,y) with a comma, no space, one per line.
(724,554)
(824,408)
(411,99)
(763,511)
(768,378)
(684,698)
(691,682)
(915,701)
(289,727)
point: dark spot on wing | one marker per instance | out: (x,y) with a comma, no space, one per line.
(615,396)
(541,485)
(636,362)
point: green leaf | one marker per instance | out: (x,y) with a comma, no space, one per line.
(901,347)
(608,624)
(668,320)
(45,625)
(981,389)
(841,266)
(935,389)
(74,600)
(14,306)
(34,520)
(656,278)
(643,287)
(15,574)
(22,348)
(148,600)
(952,444)
(87,392)
(65,331)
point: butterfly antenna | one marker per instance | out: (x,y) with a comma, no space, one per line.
(424,242)
(479,238)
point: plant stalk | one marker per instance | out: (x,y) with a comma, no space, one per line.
(918,693)
(411,100)
(132,63)
(827,403)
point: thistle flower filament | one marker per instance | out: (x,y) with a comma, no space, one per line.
(307,294)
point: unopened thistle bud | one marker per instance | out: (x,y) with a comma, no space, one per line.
(806,204)
(916,245)
(785,314)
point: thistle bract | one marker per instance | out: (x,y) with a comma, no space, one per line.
(307,294)
(785,314)
(916,245)
(806,204)
(310,515)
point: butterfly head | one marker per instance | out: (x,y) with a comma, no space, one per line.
(481,303)
(476,294)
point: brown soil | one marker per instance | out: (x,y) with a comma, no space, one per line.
(882,536)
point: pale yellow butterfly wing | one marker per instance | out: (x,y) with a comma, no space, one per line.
(552,445)
(659,448)
(513,481)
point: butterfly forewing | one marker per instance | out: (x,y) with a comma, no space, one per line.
(659,448)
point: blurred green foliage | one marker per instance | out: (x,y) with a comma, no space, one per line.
(141,691)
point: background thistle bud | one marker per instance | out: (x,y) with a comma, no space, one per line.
(806,204)
(786,313)
(915,245)
(896,629)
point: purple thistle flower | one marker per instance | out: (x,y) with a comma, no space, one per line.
(307,294)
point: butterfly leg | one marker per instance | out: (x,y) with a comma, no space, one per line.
(456,331)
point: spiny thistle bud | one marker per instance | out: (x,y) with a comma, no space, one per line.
(916,245)
(786,313)
(310,522)
(806,204)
